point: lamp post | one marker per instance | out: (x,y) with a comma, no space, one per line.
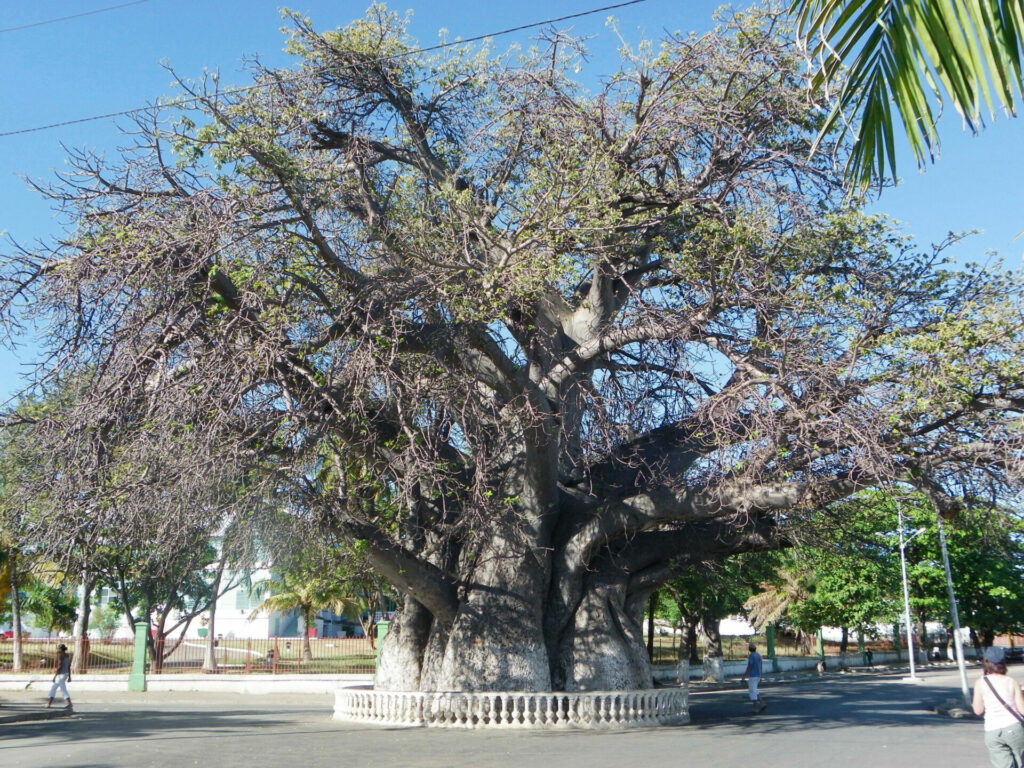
(906,588)
(953,612)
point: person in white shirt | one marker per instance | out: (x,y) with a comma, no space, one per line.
(998,697)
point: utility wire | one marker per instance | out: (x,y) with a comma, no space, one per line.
(182,102)
(72,16)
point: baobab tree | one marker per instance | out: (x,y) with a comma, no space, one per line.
(534,350)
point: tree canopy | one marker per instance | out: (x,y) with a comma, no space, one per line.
(534,348)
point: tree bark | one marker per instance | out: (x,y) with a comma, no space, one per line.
(17,657)
(522,625)
(210,651)
(922,637)
(79,661)
(651,605)
(691,641)
(306,620)
(710,633)
(157,642)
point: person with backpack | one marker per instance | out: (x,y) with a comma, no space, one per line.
(998,697)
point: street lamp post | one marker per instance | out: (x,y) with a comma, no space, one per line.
(906,588)
(953,612)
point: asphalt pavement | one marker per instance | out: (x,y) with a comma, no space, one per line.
(838,721)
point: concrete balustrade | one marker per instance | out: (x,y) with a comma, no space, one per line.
(493,709)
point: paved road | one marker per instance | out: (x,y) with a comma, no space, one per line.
(849,722)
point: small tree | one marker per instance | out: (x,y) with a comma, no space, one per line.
(52,607)
(106,620)
(306,591)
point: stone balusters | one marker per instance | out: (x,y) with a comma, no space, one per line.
(499,709)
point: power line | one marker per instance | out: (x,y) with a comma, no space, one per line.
(182,102)
(72,16)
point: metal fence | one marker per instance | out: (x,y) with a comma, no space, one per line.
(275,655)
(734,647)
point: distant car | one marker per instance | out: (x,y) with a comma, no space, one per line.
(1015,654)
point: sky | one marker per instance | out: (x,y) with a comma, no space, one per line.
(64,60)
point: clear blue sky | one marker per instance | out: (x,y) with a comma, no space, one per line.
(110,61)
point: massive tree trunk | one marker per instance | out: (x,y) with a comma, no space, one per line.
(652,605)
(497,643)
(495,640)
(511,628)
(688,641)
(711,633)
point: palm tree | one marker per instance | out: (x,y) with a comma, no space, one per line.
(793,585)
(305,593)
(910,56)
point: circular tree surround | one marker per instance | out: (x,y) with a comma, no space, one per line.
(498,709)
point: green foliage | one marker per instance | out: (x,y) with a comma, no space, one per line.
(53,608)
(718,589)
(104,620)
(319,578)
(850,576)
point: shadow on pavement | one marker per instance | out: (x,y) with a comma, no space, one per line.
(157,722)
(885,703)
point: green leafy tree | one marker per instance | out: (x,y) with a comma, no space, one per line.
(847,593)
(165,588)
(850,575)
(705,595)
(986,553)
(51,606)
(106,620)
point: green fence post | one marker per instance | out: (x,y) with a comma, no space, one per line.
(769,635)
(821,645)
(382,632)
(137,678)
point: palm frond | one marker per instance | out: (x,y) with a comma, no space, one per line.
(910,54)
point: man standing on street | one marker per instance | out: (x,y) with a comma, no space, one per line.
(753,677)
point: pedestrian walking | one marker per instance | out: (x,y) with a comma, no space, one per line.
(753,676)
(998,697)
(62,676)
